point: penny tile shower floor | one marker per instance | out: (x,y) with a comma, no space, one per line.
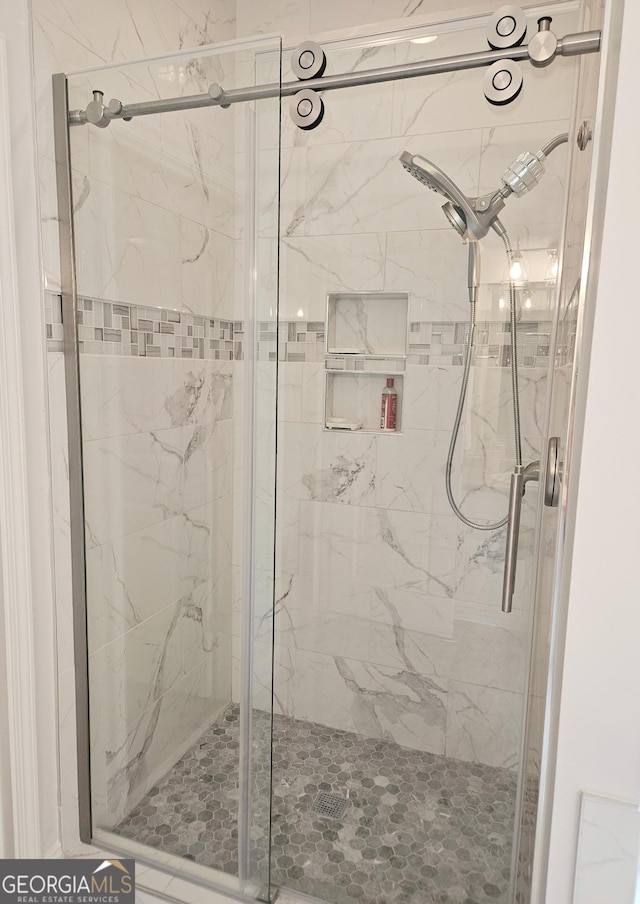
(417,829)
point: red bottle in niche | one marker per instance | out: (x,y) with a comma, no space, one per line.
(389,406)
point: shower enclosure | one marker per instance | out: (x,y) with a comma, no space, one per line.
(293,667)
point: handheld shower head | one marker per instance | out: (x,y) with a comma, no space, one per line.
(433,177)
(471,218)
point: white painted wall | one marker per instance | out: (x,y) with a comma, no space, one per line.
(29,630)
(599,739)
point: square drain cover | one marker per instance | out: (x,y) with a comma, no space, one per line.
(330,805)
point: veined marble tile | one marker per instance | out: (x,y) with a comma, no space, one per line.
(411,472)
(375,701)
(414,612)
(326,467)
(124,247)
(302,598)
(133,671)
(49,235)
(205,631)
(125,395)
(430,264)
(207,463)
(207,270)
(484,725)
(311,267)
(133,395)
(383,548)
(272,16)
(430,397)
(70,39)
(312,396)
(57,399)
(490,655)
(362,187)
(208,192)
(290,392)
(332,16)
(138,575)
(607,862)
(287,534)
(159,738)
(68,764)
(62,555)
(131,482)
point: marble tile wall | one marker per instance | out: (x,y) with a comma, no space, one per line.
(155,216)
(392,605)
(387,616)
(607,857)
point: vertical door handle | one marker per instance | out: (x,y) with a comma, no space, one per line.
(516,493)
(519,479)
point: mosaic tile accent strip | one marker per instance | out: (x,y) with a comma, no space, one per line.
(110,328)
(443,344)
(419,828)
(295,341)
(430,343)
(107,328)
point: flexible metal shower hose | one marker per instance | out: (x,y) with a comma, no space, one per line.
(515,391)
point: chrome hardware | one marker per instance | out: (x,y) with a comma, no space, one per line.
(524,173)
(553,473)
(116,110)
(516,493)
(308,60)
(569,45)
(519,479)
(543,46)
(506,28)
(96,111)
(584,135)
(502,82)
(306,109)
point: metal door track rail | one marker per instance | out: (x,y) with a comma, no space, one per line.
(98,114)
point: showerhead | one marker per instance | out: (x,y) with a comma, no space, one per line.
(471,218)
(433,177)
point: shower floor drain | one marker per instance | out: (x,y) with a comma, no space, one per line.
(330,805)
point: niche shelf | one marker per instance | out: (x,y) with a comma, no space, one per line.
(365,342)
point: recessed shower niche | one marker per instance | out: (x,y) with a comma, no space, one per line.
(366,343)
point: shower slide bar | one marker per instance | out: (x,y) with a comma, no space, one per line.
(101,115)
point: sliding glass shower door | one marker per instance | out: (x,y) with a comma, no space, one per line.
(175,219)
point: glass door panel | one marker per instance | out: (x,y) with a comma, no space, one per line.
(399,682)
(176,229)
